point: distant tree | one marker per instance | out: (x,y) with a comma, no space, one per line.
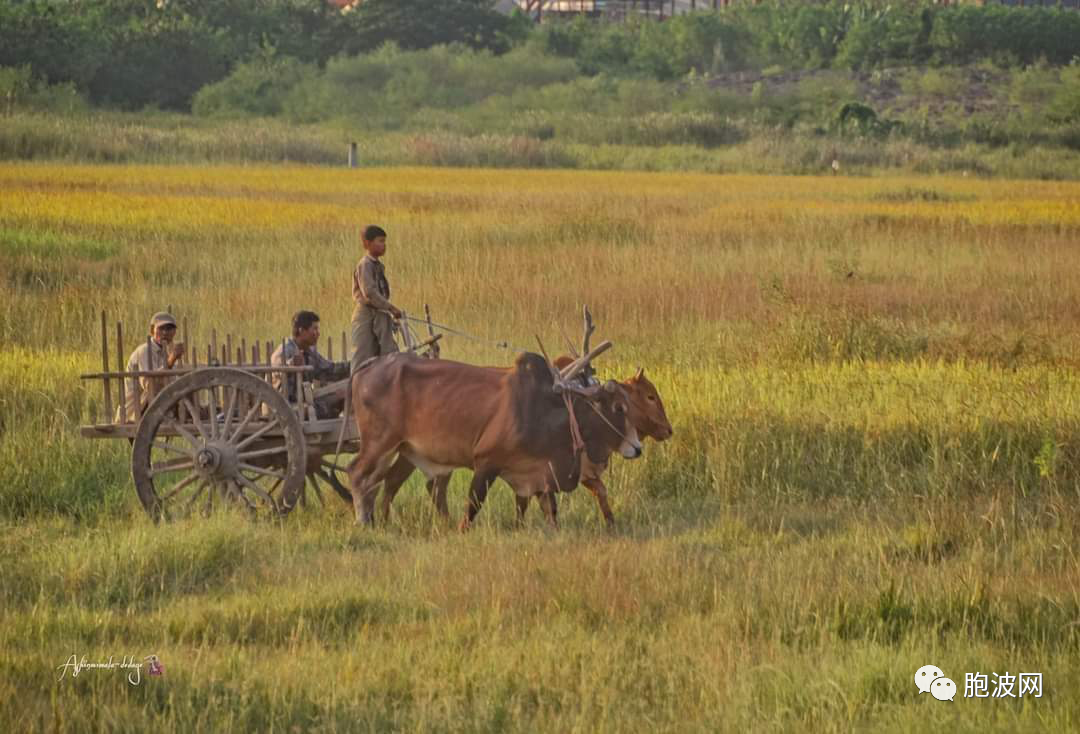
(417,24)
(58,45)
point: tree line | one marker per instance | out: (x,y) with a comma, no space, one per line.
(133,54)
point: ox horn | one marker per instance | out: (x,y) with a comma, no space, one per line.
(574,368)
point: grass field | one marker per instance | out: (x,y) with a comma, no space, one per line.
(875,464)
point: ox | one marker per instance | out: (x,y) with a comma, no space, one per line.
(439,415)
(646,415)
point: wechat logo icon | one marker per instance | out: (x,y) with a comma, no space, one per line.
(930,679)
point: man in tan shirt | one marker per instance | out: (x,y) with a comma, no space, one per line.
(156,353)
(372,323)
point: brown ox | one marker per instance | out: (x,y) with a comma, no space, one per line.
(646,414)
(439,415)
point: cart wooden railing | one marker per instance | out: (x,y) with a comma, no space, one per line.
(220,431)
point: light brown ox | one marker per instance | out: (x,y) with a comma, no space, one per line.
(439,415)
(646,414)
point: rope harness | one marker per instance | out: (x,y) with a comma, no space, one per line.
(611,425)
(575,430)
(500,344)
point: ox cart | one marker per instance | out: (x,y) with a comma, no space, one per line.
(220,433)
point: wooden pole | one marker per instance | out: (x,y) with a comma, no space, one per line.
(120,363)
(427,315)
(228,349)
(284,382)
(107,383)
(353,163)
(344,348)
(184,336)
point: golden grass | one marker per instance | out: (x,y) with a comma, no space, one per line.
(873,388)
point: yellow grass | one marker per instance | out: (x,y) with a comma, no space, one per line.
(874,467)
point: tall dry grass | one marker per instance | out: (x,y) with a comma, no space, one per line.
(875,463)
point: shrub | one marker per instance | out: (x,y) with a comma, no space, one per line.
(259,87)
(20,91)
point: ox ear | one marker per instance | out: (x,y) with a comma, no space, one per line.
(640,373)
(610,386)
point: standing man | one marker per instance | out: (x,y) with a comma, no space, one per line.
(157,353)
(300,351)
(372,323)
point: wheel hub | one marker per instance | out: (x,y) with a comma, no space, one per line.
(207,460)
(216,461)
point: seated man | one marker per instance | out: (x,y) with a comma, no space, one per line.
(300,351)
(157,353)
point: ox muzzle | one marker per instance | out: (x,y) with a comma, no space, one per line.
(631,445)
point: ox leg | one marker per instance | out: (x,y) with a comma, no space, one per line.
(599,491)
(522,507)
(437,489)
(477,494)
(551,508)
(401,470)
(365,473)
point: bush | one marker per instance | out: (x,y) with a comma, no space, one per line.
(21,92)
(879,36)
(384,87)
(967,33)
(1065,103)
(259,87)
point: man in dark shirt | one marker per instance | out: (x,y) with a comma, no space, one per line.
(300,351)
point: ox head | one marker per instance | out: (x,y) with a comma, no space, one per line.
(606,425)
(646,408)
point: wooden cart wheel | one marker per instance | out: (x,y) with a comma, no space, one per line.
(218,436)
(324,472)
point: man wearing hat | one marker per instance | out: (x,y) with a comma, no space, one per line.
(156,353)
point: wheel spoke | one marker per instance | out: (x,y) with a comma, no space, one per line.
(229,413)
(247,418)
(318,490)
(183,483)
(260,470)
(255,436)
(214,405)
(196,419)
(195,497)
(169,466)
(168,447)
(261,452)
(208,506)
(256,489)
(250,506)
(335,485)
(182,432)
